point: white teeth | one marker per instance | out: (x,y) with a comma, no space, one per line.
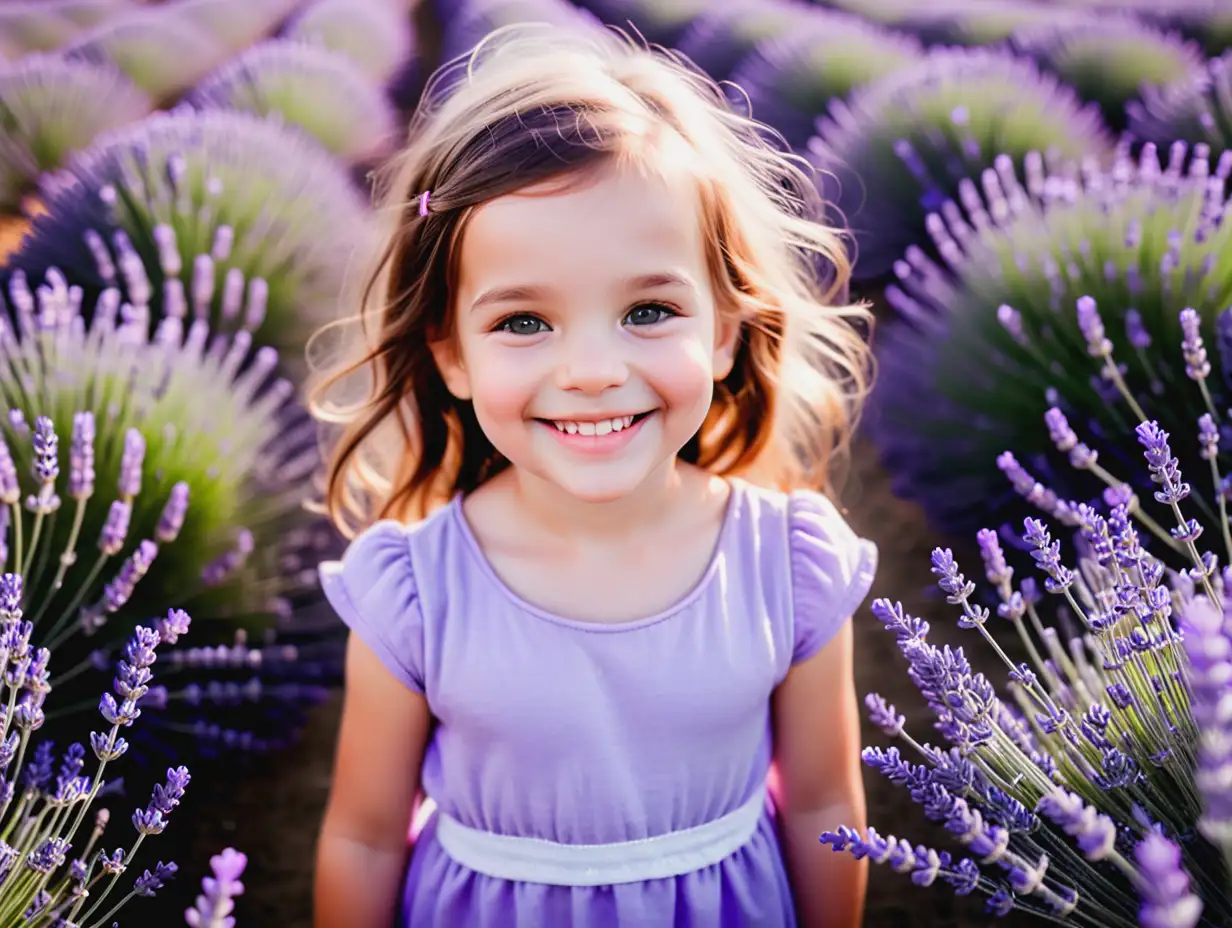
(594,428)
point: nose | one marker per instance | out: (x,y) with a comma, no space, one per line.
(591,363)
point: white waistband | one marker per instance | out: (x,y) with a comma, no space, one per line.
(534,860)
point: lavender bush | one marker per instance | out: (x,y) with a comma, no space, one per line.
(246,198)
(160,54)
(234,25)
(50,108)
(791,79)
(56,869)
(720,38)
(33,26)
(1208,22)
(987,337)
(309,88)
(375,35)
(187,465)
(960,22)
(660,21)
(897,149)
(1195,110)
(1103,775)
(475,19)
(1108,59)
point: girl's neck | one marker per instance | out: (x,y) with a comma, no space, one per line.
(558,513)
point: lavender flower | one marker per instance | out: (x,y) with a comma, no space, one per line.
(1193,108)
(110,215)
(787,90)
(1115,739)
(940,120)
(1096,264)
(463,32)
(130,542)
(162,56)
(53,108)
(45,871)
(233,26)
(721,37)
(1167,902)
(376,36)
(320,92)
(214,906)
(1108,58)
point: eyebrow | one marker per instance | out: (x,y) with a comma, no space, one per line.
(530,292)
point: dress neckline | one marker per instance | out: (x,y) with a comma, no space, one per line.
(735,493)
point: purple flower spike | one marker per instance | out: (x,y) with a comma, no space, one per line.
(884,715)
(10,489)
(115,529)
(1095,832)
(1208,437)
(1166,899)
(1208,643)
(151,882)
(996,569)
(1092,328)
(1197,367)
(1164,468)
(172,518)
(214,906)
(81,457)
(1135,331)
(130,463)
(46,448)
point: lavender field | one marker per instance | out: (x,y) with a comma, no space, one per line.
(1037,193)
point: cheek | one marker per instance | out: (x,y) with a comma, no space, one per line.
(684,372)
(503,383)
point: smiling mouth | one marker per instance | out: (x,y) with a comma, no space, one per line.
(595,426)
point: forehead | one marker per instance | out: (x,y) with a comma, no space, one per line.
(617,223)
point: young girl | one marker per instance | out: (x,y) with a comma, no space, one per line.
(598,601)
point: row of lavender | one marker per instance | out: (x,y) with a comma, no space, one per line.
(1023,238)
(192,172)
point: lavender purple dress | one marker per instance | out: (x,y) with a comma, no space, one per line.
(578,732)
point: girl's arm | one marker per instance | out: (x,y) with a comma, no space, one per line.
(362,852)
(817,755)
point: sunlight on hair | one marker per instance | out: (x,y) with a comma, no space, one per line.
(533,104)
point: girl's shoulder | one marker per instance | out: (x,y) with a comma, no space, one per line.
(831,567)
(376,586)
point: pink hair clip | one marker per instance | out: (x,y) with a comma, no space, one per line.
(423,203)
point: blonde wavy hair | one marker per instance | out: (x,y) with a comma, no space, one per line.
(531,104)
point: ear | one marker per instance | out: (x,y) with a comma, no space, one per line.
(726,340)
(448,360)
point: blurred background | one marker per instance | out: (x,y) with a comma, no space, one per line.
(208,159)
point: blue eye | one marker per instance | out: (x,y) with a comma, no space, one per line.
(649,314)
(522,325)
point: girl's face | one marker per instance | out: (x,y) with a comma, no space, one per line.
(587,336)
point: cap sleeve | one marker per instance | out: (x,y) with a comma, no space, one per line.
(373,591)
(831,571)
